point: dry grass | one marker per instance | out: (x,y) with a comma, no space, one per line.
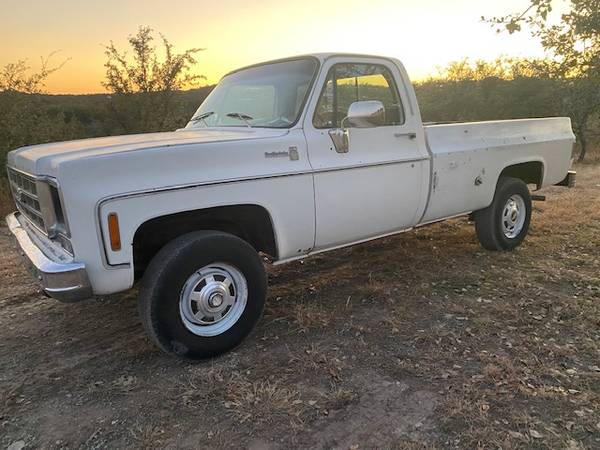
(304,316)
(6,202)
(508,345)
(320,359)
(593,154)
(201,387)
(261,402)
(264,401)
(147,436)
(9,395)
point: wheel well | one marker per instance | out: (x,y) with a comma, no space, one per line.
(531,172)
(249,222)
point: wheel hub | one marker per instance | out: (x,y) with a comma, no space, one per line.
(215,300)
(513,216)
(212,299)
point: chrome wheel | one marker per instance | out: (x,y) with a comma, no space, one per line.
(213,299)
(513,216)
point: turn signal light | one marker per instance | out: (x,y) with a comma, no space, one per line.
(113,232)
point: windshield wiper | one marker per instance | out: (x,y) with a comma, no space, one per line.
(202,117)
(241,116)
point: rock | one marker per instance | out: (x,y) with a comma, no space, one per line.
(17,445)
(535,434)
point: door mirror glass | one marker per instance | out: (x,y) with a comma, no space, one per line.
(365,114)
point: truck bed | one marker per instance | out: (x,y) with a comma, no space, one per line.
(467,159)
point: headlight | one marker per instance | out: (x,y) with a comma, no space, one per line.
(51,207)
(39,199)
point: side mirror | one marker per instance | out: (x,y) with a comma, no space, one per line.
(366,114)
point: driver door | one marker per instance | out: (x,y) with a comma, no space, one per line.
(378,185)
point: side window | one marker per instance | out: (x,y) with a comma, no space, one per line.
(349,83)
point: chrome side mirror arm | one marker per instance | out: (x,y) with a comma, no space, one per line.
(340,139)
(339,136)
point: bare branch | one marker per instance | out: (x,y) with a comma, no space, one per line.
(14,77)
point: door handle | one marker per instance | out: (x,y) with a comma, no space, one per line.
(411,136)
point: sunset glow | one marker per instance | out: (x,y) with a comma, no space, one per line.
(424,34)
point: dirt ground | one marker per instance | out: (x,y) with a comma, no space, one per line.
(422,340)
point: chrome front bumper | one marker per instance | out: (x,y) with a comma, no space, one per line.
(63,280)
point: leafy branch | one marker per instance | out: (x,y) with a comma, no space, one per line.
(145,72)
(574,45)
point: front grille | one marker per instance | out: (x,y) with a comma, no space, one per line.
(24,191)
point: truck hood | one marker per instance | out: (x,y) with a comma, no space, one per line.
(44,159)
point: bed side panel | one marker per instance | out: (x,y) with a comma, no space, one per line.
(469,157)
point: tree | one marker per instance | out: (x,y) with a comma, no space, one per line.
(143,85)
(28,117)
(574,45)
(16,77)
(487,90)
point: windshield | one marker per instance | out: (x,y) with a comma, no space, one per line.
(269,96)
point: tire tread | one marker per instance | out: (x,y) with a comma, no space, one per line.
(487,224)
(156,281)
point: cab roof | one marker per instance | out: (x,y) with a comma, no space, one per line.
(321,57)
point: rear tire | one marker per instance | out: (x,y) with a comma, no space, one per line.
(202,294)
(504,224)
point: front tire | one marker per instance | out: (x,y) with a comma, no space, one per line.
(504,224)
(202,294)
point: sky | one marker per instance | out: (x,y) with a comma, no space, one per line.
(424,34)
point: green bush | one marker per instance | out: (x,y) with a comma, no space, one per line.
(39,118)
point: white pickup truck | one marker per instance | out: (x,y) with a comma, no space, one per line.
(289,158)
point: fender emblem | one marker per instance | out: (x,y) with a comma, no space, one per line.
(292,153)
(277,154)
